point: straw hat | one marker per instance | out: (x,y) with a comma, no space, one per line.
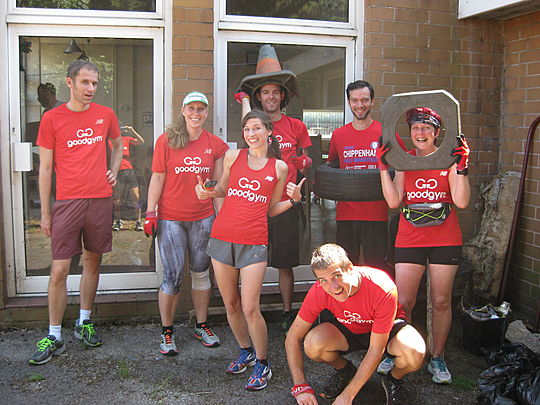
(269,71)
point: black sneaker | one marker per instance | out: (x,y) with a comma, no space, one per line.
(396,393)
(287,318)
(47,347)
(87,333)
(337,382)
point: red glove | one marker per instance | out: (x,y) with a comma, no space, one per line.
(301,162)
(381,151)
(151,224)
(462,153)
(240,95)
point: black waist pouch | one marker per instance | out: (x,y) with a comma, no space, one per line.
(426,214)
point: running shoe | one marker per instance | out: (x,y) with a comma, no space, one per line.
(395,391)
(167,346)
(437,367)
(287,318)
(87,333)
(117,225)
(259,377)
(138,226)
(245,358)
(46,348)
(386,365)
(206,336)
(338,381)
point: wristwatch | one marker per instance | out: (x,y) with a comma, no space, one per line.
(294,202)
(463,172)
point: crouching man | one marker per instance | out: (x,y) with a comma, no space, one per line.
(366,314)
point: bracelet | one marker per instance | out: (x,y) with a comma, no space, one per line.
(463,172)
(294,202)
(301,389)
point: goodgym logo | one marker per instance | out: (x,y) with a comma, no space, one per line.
(85,138)
(81,133)
(252,185)
(189,161)
(429,184)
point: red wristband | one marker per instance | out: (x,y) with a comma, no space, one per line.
(301,389)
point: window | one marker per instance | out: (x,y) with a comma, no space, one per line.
(322,10)
(116,5)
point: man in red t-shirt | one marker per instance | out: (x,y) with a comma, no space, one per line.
(365,314)
(72,140)
(360,224)
(272,89)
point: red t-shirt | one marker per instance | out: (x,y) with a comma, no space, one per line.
(178,200)
(428,186)
(373,308)
(357,150)
(292,134)
(125,164)
(243,219)
(79,143)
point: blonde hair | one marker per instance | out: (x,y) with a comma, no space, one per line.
(177,134)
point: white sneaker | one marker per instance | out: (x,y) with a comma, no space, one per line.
(437,367)
(167,346)
(207,337)
(386,365)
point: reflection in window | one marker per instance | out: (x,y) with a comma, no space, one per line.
(117,5)
(322,10)
(320,71)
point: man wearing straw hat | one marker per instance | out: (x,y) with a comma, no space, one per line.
(270,89)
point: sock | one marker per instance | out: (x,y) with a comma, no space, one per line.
(167,329)
(84,314)
(263,361)
(200,325)
(56,331)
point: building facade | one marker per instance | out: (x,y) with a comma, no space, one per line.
(152,52)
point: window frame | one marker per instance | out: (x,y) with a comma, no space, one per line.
(220,62)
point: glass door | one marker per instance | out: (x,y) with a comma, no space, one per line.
(131,83)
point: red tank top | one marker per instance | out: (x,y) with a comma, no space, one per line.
(428,186)
(243,218)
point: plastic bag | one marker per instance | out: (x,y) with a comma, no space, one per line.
(512,378)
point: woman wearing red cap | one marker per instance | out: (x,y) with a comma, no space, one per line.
(428,230)
(180,220)
(252,183)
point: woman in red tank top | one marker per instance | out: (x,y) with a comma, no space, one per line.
(428,229)
(252,184)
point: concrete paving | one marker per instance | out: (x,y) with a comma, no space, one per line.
(128,369)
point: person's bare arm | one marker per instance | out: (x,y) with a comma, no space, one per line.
(46,157)
(293,347)
(138,140)
(116,159)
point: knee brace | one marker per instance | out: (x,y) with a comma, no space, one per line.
(200,280)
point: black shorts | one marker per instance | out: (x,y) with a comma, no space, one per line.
(359,341)
(126,177)
(370,236)
(422,255)
(284,239)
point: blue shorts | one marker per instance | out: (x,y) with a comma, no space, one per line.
(175,239)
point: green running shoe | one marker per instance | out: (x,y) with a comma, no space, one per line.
(47,347)
(87,333)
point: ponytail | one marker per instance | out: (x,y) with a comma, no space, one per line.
(274,149)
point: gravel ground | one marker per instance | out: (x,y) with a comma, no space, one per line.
(128,369)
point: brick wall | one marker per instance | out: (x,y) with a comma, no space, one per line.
(192,70)
(415,45)
(521,105)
